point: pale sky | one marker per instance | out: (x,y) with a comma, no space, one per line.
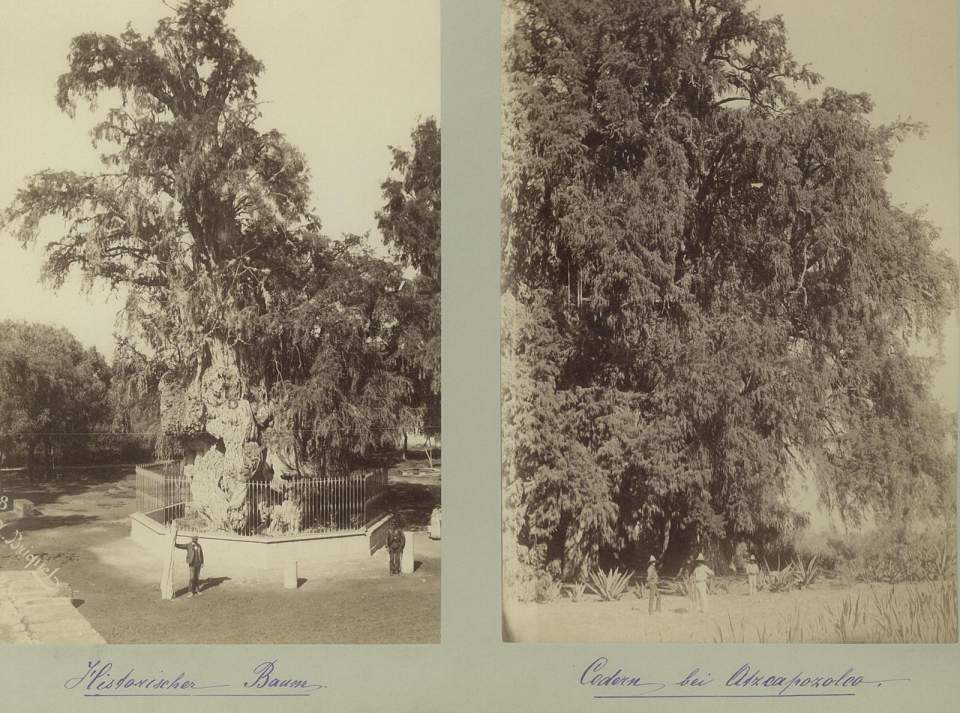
(343,80)
(904,55)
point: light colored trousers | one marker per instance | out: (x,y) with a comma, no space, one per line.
(752,581)
(701,589)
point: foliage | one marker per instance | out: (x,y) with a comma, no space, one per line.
(916,556)
(919,614)
(522,572)
(576,591)
(205,221)
(410,222)
(53,392)
(610,585)
(909,614)
(706,285)
(805,573)
(780,580)
(548,589)
(923,615)
(848,617)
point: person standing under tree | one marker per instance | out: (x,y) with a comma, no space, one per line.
(653,582)
(194,562)
(753,572)
(701,573)
(395,544)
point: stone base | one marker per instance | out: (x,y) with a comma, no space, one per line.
(265,558)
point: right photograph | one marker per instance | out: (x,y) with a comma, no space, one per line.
(729,321)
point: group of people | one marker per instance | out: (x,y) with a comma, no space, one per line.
(700,575)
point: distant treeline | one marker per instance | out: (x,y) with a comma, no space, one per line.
(59,405)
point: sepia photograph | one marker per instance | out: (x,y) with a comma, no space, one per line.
(729,288)
(220,322)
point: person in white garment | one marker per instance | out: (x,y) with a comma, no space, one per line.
(753,574)
(701,573)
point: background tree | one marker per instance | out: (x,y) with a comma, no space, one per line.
(205,220)
(710,284)
(53,393)
(410,223)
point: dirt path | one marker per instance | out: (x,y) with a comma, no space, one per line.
(83,528)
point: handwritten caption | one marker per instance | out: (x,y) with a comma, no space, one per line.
(102,679)
(746,681)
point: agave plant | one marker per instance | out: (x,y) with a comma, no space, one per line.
(609,586)
(782,580)
(805,574)
(576,591)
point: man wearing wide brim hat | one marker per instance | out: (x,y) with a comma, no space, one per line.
(701,573)
(753,574)
(653,582)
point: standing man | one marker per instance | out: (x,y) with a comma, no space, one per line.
(753,573)
(653,581)
(194,562)
(395,543)
(701,573)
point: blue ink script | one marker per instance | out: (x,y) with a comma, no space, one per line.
(102,679)
(746,681)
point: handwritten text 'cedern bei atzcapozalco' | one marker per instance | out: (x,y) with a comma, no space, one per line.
(598,675)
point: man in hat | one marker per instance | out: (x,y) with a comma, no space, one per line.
(194,562)
(753,573)
(653,581)
(395,544)
(701,573)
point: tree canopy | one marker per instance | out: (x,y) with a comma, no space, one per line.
(707,288)
(206,220)
(50,388)
(410,223)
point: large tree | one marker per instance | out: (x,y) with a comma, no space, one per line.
(269,342)
(410,223)
(708,288)
(53,393)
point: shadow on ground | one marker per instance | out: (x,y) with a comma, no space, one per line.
(412,503)
(41,490)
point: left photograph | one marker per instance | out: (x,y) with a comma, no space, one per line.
(220,322)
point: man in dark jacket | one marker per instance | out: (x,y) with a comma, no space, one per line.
(395,544)
(194,562)
(653,585)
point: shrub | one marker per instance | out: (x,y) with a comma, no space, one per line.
(548,588)
(522,570)
(909,557)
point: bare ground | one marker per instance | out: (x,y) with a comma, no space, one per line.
(83,528)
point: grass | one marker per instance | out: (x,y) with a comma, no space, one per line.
(890,614)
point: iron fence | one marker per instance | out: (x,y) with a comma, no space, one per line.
(306,505)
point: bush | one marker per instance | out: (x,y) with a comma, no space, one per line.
(523,573)
(907,557)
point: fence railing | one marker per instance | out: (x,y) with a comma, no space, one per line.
(307,505)
(160,487)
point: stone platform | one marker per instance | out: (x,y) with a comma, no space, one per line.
(35,612)
(265,558)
